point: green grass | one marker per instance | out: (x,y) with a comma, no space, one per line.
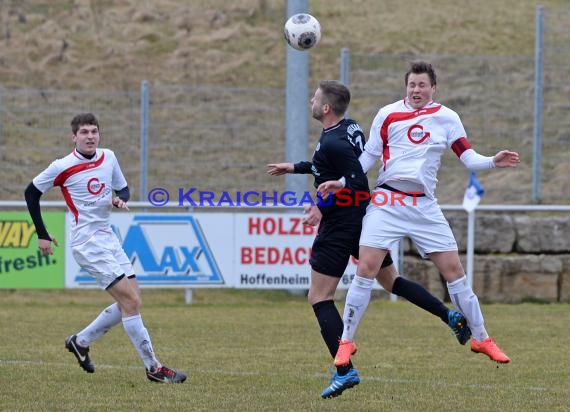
(248,350)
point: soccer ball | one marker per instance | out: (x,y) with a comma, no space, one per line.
(302,31)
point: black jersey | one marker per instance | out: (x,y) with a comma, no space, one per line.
(336,155)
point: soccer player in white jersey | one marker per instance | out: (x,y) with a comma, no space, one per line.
(410,137)
(87,178)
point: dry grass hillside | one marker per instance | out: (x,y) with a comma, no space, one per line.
(87,45)
(90,44)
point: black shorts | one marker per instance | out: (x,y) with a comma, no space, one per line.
(335,242)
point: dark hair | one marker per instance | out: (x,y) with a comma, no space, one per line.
(336,94)
(83,119)
(420,68)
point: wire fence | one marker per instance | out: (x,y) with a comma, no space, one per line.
(219,139)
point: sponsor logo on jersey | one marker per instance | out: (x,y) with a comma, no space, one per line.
(416,134)
(94,186)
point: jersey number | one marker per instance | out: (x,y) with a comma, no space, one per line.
(357,142)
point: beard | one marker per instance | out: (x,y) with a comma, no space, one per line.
(317,115)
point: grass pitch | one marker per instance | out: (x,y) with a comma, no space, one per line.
(262,351)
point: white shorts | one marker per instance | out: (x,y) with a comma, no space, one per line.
(103,257)
(420,219)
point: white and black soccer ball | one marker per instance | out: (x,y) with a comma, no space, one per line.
(302,31)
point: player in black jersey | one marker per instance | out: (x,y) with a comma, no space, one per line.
(336,157)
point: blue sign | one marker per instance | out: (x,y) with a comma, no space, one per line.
(166,250)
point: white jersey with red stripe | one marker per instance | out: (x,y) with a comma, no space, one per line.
(87,186)
(411,142)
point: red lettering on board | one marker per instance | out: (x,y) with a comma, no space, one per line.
(279,226)
(271,255)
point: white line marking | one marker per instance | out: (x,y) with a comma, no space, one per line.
(319,376)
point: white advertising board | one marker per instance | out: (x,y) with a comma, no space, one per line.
(240,250)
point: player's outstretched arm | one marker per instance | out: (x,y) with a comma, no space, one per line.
(506,158)
(278,169)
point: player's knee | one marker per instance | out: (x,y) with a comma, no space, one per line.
(314,296)
(312,299)
(137,302)
(449,266)
(130,305)
(367,267)
(452,274)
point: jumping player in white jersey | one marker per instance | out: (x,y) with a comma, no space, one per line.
(336,154)
(410,137)
(87,178)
